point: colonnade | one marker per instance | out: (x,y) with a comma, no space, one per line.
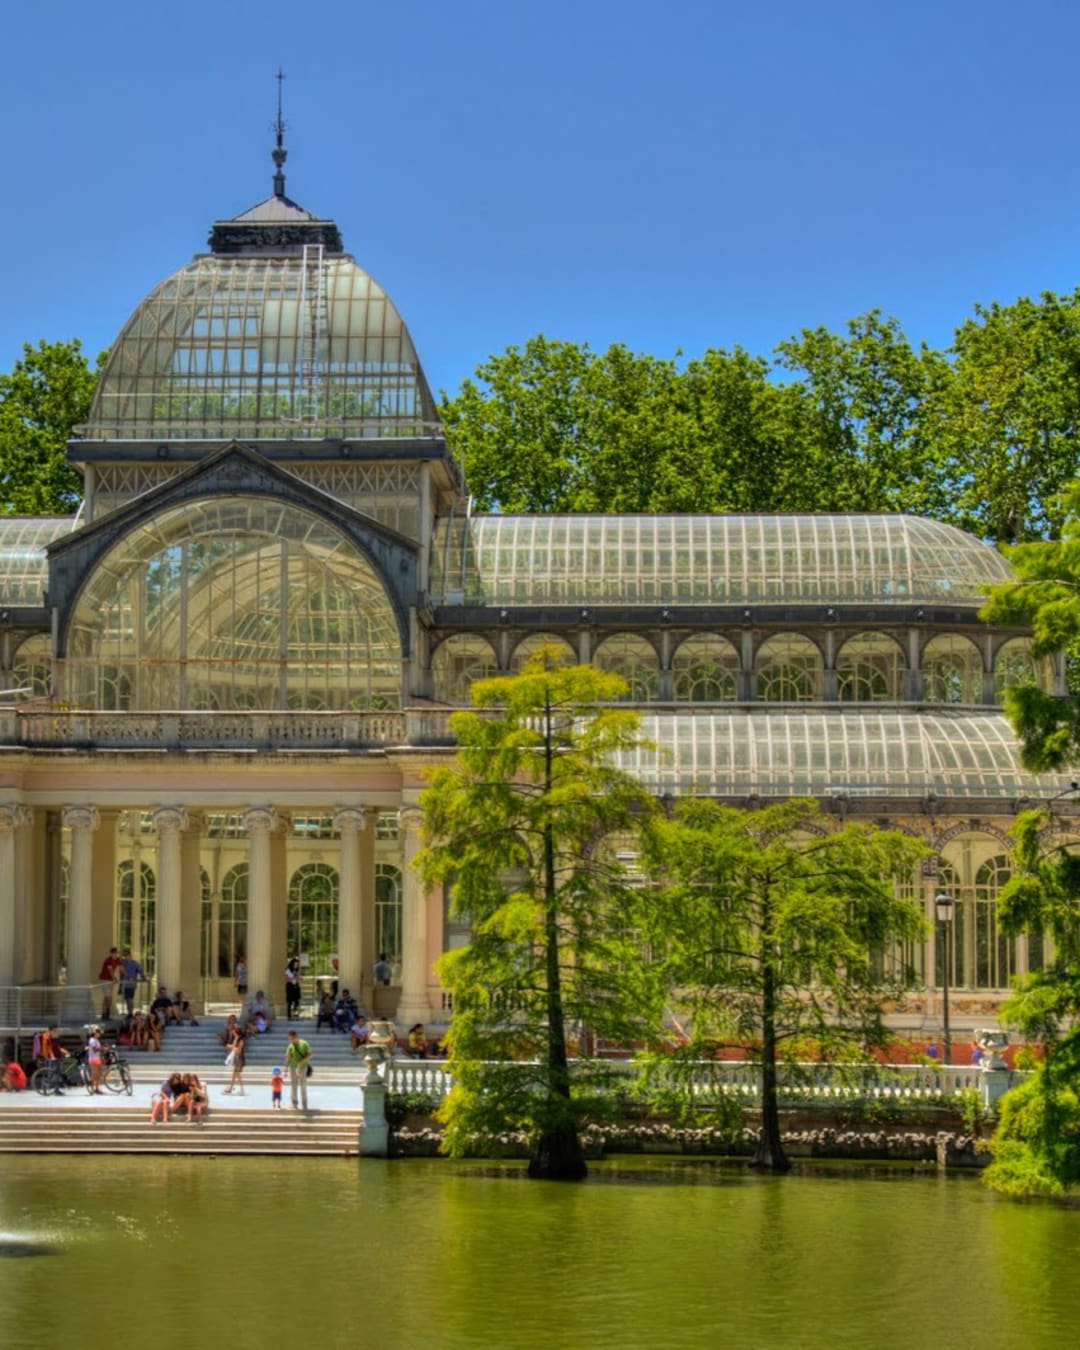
(92,863)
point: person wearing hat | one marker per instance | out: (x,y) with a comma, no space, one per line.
(277,1082)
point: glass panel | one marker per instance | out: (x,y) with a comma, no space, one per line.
(789,670)
(313,920)
(636,661)
(24,566)
(459,661)
(952,670)
(388,915)
(706,670)
(1014,664)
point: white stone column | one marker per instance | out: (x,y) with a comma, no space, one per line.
(349,821)
(82,821)
(169,821)
(413,1005)
(260,821)
(11,818)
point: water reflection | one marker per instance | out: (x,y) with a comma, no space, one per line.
(264,1252)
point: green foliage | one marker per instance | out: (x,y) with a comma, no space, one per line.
(520,826)
(1036,1147)
(402,1104)
(771,929)
(47,393)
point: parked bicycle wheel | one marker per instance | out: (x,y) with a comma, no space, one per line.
(45,1080)
(118,1078)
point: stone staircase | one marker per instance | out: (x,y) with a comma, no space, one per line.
(127,1129)
(186,1048)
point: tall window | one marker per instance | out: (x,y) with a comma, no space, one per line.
(136,912)
(32,668)
(388,913)
(313,918)
(1014,664)
(980,956)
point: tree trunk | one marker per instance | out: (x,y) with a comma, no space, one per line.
(769,1156)
(558,1156)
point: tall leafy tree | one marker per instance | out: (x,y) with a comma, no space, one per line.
(519,826)
(47,393)
(773,934)
(1036,1145)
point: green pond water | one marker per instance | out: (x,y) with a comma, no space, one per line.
(260,1252)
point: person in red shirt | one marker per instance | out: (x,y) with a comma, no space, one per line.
(108,976)
(13,1078)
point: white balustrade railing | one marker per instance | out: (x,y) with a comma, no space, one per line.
(819,1083)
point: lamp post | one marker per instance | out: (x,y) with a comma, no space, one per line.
(943,907)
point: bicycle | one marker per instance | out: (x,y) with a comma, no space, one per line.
(54,1075)
(117,1075)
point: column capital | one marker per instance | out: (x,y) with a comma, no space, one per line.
(13,815)
(410,819)
(166,819)
(354,818)
(81,817)
(260,819)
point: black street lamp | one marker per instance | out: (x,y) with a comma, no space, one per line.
(943,907)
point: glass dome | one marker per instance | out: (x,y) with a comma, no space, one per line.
(233,603)
(719,560)
(264,346)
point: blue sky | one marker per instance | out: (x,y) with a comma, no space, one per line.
(671,176)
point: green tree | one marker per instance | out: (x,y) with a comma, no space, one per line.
(518,827)
(1004,413)
(1036,1145)
(554,426)
(868,388)
(774,933)
(47,393)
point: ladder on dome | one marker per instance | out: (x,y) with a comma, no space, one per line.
(313,327)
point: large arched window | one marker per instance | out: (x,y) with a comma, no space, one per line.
(32,667)
(1014,664)
(870,669)
(388,914)
(980,956)
(705,670)
(313,918)
(222,951)
(528,647)
(789,670)
(635,660)
(459,661)
(952,670)
(234,603)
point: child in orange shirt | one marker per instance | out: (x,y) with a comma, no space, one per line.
(277,1082)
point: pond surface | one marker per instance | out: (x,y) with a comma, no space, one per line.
(267,1252)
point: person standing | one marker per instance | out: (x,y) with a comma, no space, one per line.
(297,1060)
(131,972)
(277,1082)
(95,1058)
(292,989)
(383,971)
(235,1060)
(107,975)
(240,975)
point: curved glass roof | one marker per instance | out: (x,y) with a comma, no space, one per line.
(264,346)
(719,560)
(738,752)
(24,565)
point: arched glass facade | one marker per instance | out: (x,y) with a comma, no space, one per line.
(234,603)
(313,918)
(1014,664)
(31,670)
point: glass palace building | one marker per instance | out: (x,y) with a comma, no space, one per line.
(228,675)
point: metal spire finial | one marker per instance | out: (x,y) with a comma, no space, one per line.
(279,154)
